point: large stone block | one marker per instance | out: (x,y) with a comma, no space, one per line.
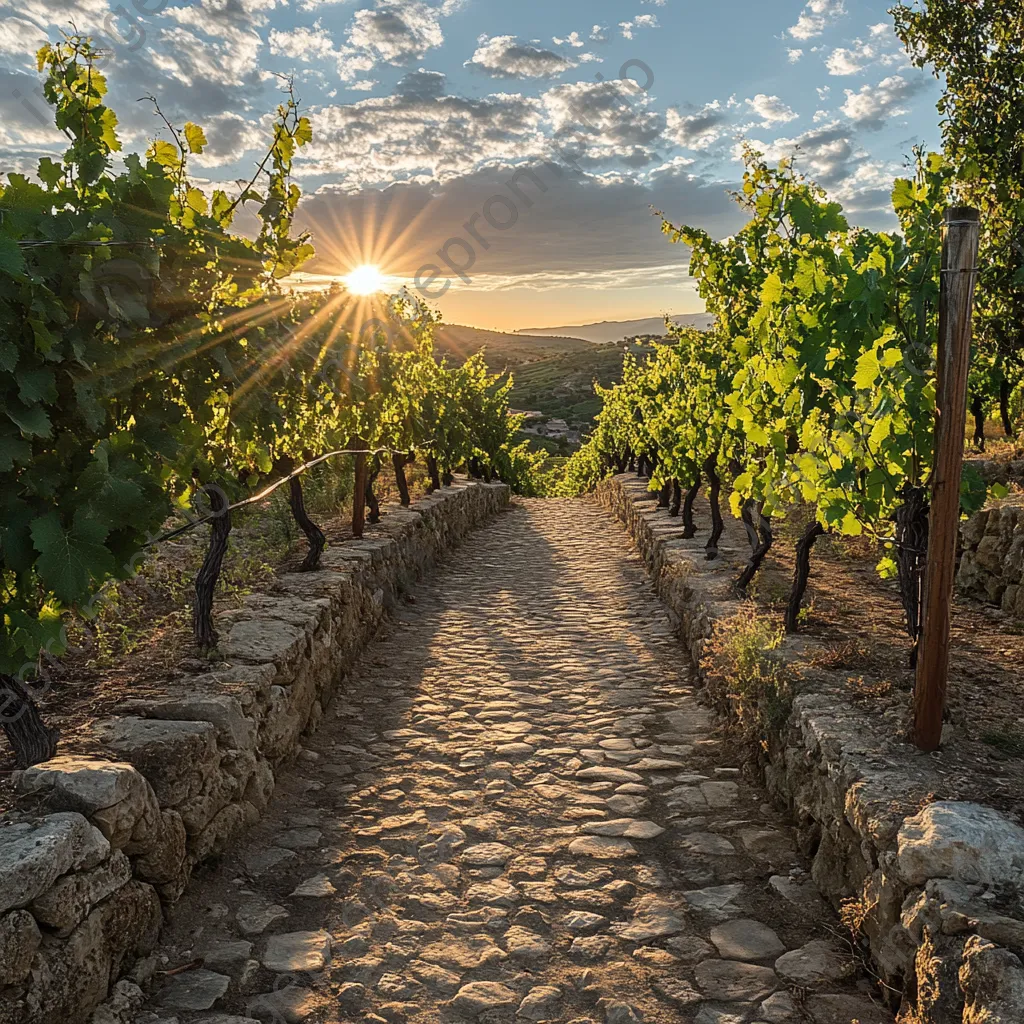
(65,905)
(71,976)
(113,795)
(963,841)
(34,854)
(224,712)
(992,980)
(164,861)
(19,940)
(173,756)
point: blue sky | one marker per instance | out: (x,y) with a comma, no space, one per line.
(423,110)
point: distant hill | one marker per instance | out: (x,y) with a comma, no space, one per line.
(563,385)
(502,350)
(619,330)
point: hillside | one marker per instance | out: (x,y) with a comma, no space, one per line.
(563,386)
(619,330)
(503,351)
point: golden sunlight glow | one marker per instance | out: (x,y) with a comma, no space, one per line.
(365,280)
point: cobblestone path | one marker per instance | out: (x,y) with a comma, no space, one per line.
(516,811)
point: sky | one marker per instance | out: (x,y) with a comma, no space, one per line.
(503,160)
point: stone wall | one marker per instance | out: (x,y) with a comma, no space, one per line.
(992,557)
(109,832)
(938,886)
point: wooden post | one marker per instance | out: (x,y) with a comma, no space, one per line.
(959,263)
(359,489)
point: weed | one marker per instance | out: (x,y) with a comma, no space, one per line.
(744,664)
(846,654)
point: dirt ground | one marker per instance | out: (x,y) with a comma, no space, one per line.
(861,619)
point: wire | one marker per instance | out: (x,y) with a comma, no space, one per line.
(267,491)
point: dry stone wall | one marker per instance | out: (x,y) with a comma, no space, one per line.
(938,887)
(992,557)
(108,833)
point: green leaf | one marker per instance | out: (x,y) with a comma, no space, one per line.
(31,420)
(165,153)
(771,290)
(867,371)
(12,261)
(39,385)
(71,560)
(194,137)
(50,172)
(303,131)
(8,356)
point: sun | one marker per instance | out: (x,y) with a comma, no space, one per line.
(365,280)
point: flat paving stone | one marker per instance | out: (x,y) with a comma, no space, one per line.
(746,939)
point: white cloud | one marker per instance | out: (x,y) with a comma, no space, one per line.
(699,129)
(507,57)
(826,154)
(397,30)
(572,39)
(871,105)
(794,54)
(849,60)
(815,17)
(771,109)
(598,34)
(304,44)
(640,21)
(604,119)
(883,28)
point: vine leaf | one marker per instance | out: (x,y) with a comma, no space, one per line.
(70,559)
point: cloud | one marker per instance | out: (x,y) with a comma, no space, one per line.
(230,137)
(421,85)
(606,119)
(699,129)
(396,31)
(598,34)
(304,44)
(825,154)
(815,17)
(872,105)
(572,39)
(507,57)
(417,131)
(771,109)
(640,21)
(564,223)
(794,54)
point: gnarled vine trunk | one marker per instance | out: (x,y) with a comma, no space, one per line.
(664,495)
(435,480)
(911,558)
(314,535)
(30,738)
(747,518)
(373,471)
(714,492)
(978,412)
(1004,407)
(763,531)
(206,580)
(399,462)
(689,528)
(801,572)
(677,499)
